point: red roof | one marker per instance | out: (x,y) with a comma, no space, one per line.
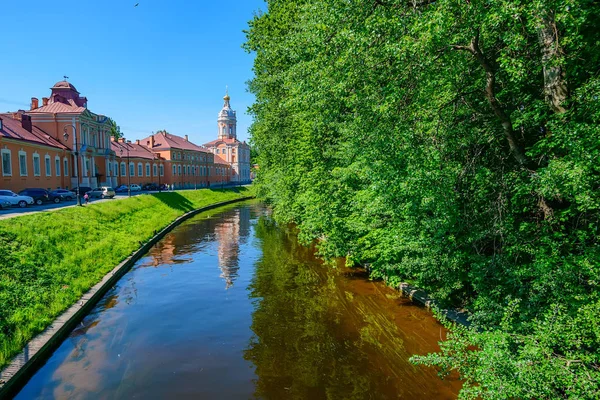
(59,107)
(135,150)
(13,129)
(224,140)
(165,141)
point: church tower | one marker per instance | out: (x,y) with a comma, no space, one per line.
(227,120)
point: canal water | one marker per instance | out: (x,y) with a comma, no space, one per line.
(229,306)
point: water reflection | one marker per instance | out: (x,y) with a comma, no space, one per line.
(285,328)
(319,334)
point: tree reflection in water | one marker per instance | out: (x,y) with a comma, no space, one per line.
(318,334)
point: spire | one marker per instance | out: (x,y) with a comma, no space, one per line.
(226,98)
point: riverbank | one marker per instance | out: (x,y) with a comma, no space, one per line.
(49,260)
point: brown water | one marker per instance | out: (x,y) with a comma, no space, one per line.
(228,306)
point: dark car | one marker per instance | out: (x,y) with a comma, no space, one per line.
(121,189)
(40,196)
(82,190)
(150,186)
(64,194)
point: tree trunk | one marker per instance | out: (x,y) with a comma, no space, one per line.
(555,84)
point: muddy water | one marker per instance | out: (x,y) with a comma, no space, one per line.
(228,306)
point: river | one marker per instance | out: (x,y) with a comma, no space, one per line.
(229,306)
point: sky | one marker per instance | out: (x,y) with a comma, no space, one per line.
(164,64)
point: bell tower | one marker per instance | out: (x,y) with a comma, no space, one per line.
(227,121)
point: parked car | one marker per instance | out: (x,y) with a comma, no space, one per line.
(82,190)
(150,186)
(40,196)
(121,189)
(14,199)
(135,188)
(5,204)
(64,194)
(103,192)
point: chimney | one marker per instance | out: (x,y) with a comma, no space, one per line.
(0,124)
(152,141)
(112,139)
(34,103)
(122,140)
(26,122)
(186,138)
(137,142)
(44,101)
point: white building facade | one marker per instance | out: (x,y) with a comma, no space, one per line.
(227,147)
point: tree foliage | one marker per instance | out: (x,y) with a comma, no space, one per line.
(115,130)
(454,144)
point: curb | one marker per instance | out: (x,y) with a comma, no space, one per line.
(41,347)
(422,298)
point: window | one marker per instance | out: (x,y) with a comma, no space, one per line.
(48,165)
(123,169)
(162,170)
(223,130)
(155,170)
(6,163)
(116,169)
(57,165)
(224,151)
(86,172)
(66,166)
(109,168)
(188,169)
(230,130)
(131,169)
(147,169)
(232,151)
(174,170)
(36,165)
(140,169)
(179,169)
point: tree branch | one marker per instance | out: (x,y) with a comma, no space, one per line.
(490,93)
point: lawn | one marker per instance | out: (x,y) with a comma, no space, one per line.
(48,260)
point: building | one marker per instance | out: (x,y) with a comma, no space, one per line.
(136,164)
(227,147)
(187,165)
(30,157)
(65,116)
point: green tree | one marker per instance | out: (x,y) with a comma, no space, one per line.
(115,130)
(453,144)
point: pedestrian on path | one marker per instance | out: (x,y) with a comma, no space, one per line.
(86,197)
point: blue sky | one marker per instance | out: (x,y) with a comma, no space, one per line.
(161,65)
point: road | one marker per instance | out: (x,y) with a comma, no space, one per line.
(16,212)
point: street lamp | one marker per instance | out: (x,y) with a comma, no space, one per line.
(128,169)
(76,169)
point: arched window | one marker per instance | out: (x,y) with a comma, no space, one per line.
(179,169)
(140,169)
(123,169)
(162,170)
(147,169)
(131,169)
(174,170)
(155,170)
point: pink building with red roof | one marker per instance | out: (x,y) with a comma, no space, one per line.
(227,147)
(136,164)
(187,164)
(66,112)
(30,157)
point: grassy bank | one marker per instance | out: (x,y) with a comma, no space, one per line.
(49,260)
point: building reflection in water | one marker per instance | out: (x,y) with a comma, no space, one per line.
(229,232)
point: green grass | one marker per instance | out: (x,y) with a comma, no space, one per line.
(49,260)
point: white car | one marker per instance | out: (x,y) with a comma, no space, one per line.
(15,199)
(135,188)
